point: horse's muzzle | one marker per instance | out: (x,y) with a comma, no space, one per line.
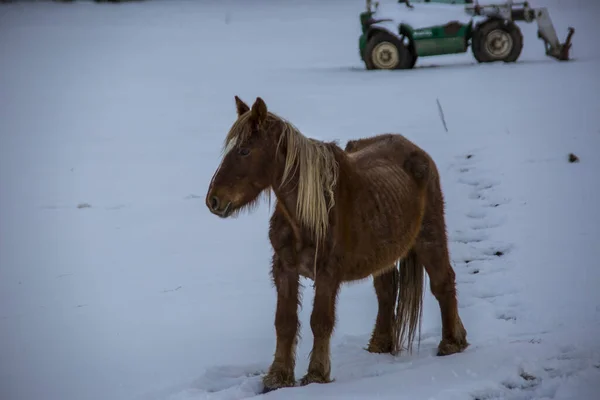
(214,205)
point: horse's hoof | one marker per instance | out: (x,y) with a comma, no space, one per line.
(266,390)
(379,347)
(448,347)
(277,380)
(313,377)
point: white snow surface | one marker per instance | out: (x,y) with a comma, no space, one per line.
(117,283)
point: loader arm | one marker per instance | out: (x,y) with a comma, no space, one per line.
(547,33)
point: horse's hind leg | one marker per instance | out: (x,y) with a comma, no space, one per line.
(441,276)
(432,253)
(386,288)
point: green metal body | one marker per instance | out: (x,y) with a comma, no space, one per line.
(439,40)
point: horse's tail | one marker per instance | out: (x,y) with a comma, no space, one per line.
(417,165)
(409,303)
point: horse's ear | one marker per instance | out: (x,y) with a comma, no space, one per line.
(241,106)
(259,111)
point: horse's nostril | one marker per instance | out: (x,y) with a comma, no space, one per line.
(214,203)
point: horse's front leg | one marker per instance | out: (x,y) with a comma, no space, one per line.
(322,322)
(281,372)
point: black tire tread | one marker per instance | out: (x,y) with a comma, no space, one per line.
(406,58)
(477,44)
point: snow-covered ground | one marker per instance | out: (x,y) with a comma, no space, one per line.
(117,283)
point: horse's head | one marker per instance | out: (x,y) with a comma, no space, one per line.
(247,166)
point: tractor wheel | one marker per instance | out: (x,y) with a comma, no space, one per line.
(414,58)
(497,40)
(385,51)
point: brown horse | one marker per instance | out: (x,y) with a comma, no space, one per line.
(373,209)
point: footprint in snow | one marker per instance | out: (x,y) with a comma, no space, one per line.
(487,224)
(497,250)
(476,195)
(479,183)
(469,237)
(474,260)
(521,381)
(506,315)
(489,293)
(476,214)
(493,201)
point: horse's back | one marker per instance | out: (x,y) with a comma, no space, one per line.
(392,145)
(389,152)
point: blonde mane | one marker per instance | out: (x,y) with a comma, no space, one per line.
(317,176)
(313,160)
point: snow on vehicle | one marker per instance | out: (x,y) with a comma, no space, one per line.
(395,34)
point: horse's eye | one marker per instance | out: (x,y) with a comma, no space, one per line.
(244,151)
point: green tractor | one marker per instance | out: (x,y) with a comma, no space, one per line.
(394,35)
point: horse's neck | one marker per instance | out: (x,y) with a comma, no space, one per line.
(286,193)
(287,196)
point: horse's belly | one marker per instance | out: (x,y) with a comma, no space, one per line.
(364,268)
(381,238)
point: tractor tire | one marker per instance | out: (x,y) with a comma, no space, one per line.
(385,51)
(497,40)
(414,60)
